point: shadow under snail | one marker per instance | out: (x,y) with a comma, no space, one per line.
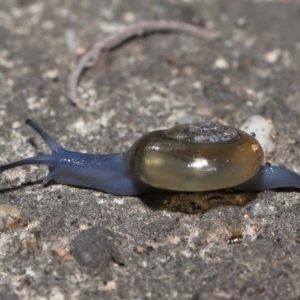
(187,158)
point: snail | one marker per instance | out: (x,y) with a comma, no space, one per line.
(195,157)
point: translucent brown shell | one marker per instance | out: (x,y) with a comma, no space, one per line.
(195,157)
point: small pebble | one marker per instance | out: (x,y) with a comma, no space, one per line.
(95,248)
(51,74)
(30,244)
(272,56)
(257,228)
(220,63)
(68,258)
(81,51)
(61,252)
(221,294)
(246,217)
(10,217)
(140,250)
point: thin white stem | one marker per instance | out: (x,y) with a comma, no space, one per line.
(138,29)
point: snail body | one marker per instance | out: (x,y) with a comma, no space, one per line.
(189,158)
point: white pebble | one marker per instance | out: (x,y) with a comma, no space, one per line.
(272,56)
(264,132)
(220,63)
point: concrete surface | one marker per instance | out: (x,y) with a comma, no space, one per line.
(174,246)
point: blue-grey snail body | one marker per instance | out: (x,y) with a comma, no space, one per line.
(188,158)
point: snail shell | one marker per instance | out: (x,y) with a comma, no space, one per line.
(195,157)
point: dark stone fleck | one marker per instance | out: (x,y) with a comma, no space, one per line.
(95,248)
(218,93)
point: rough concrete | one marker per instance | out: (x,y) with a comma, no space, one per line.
(175,246)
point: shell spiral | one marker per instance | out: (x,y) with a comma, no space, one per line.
(195,157)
